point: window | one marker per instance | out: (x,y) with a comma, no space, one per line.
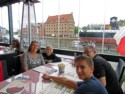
(88,26)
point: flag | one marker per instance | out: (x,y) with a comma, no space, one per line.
(120,41)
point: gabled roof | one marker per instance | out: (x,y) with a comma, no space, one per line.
(63,18)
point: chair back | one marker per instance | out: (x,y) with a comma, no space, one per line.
(3,70)
(17,65)
(120,71)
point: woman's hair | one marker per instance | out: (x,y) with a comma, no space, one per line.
(17,44)
(34,41)
(87,59)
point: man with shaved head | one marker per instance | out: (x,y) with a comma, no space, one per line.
(103,71)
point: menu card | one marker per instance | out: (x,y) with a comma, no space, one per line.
(56,88)
(45,69)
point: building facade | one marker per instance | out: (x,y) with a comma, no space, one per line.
(53,27)
(62,25)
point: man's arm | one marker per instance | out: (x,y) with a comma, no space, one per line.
(103,80)
(100,71)
(56,58)
(62,80)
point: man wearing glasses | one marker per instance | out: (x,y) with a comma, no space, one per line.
(103,71)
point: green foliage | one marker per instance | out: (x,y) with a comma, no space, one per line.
(85,28)
(16,33)
(7,31)
(121,22)
(76,29)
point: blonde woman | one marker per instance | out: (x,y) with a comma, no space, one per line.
(32,58)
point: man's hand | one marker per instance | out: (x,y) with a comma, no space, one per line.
(49,61)
(46,76)
(61,80)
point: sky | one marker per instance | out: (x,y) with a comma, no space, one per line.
(84,11)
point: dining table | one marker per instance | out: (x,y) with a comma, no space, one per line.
(31,81)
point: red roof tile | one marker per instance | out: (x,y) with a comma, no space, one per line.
(63,18)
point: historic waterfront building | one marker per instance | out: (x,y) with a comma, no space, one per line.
(62,25)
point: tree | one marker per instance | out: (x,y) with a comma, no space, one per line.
(84,28)
(76,29)
(121,22)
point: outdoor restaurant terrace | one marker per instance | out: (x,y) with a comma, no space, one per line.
(61,30)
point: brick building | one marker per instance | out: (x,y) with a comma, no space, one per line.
(65,26)
(50,27)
